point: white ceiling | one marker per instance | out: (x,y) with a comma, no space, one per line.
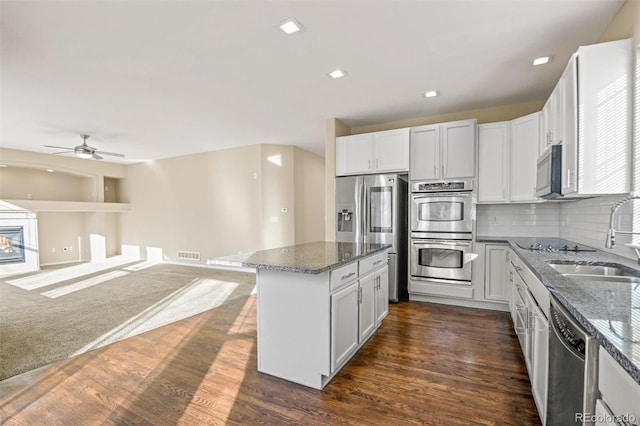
(157,79)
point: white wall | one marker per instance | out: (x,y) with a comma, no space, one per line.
(309,187)
(222,202)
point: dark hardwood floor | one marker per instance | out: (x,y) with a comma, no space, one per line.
(428,364)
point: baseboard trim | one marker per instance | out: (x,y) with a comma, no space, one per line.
(66,262)
(224,268)
(504,307)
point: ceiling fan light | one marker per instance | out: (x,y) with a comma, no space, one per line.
(84,155)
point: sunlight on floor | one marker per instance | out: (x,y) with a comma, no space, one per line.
(80,285)
(233,354)
(246,320)
(47,278)
(140,266)
(200,295)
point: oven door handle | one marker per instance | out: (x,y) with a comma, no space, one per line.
(443,242)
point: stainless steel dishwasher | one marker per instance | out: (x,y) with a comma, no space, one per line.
(573,361)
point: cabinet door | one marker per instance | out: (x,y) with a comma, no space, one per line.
(524,151)
(382,294)
(391,151)
(458,156)
(367,314)
(425,153)
(493,162)
(353,154)
(604,110)
(545,116)
(540,354)
(495,283)
(528,323)
(570,128)
(557,119)
(344,324)
(511,283)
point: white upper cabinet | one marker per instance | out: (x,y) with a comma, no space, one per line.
(377,152)
(523,158)
(596,145)
(443,151)
(425,152)
(507,157)
(493,162)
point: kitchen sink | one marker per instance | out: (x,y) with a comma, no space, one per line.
(606,272)
(608,278)
(579,269)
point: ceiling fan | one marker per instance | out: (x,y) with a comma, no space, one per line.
(84,150)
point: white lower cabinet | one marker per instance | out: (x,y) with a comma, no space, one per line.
(529,305)
(619,402)
(344,324)
(540,360)
(495,277)
(358,309)
(367,309)
(382,295)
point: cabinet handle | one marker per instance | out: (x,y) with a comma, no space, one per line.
(435,170)
(344,277)
(360,295)
(569,177)
(444,170)
(377,262)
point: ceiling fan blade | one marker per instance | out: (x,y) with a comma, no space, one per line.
(58,147)
(114,154)
(62,152)
(96,156)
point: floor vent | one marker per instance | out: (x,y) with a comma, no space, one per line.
(188,255)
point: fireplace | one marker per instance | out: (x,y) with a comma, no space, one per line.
(12,244)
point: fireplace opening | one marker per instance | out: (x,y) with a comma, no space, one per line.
(11,244)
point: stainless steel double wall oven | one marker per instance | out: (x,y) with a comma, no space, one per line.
(442,220)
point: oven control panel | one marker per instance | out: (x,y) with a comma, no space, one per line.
(458,185)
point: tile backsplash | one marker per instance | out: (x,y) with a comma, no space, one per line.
(584,221)
(587,222)
(518,220)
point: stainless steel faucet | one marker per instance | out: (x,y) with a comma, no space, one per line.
(611,233)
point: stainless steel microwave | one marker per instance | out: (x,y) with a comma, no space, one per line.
(549,177)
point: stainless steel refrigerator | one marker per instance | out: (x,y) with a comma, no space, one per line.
(373,209)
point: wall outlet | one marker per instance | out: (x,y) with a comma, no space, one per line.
(53,250)
(70,248)
(29,196)
(284,210)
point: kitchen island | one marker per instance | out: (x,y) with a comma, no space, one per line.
(318,303)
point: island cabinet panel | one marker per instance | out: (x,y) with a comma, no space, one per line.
(344,324)
(294,326)
(367,309)
(310,325)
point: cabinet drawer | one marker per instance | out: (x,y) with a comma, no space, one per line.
(370,263)
(343,275)
(537,289)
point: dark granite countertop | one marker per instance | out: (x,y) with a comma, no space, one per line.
(609,311)
(310,258)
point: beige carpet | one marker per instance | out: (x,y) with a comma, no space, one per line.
(55,314)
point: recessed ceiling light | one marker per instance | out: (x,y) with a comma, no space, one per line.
(337,74)
(290,26)
(50,170)
(431,94)
(542,60)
